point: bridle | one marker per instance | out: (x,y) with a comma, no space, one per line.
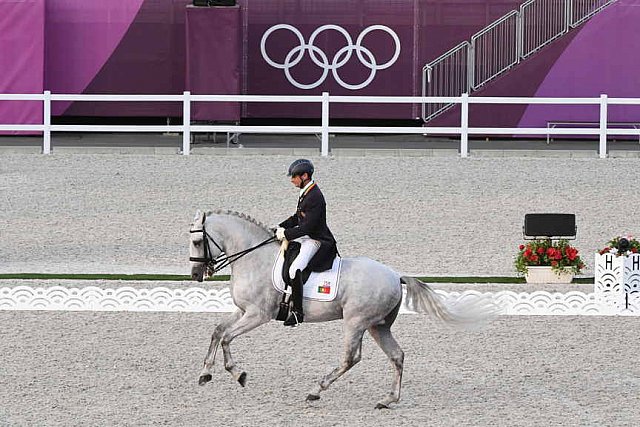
(216,264)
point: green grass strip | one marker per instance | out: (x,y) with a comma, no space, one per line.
(224,278)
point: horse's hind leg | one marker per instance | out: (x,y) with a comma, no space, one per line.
(352,355)
(382,335)
(205,375)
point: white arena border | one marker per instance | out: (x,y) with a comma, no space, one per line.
(197,300)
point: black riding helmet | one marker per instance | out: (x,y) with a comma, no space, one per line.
(299,167)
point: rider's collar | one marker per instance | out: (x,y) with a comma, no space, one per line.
(306,187)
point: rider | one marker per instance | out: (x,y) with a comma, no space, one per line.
(308,226)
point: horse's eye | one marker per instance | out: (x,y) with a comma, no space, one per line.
(198,243)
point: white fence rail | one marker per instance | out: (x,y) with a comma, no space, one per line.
(325,100)
(218,300)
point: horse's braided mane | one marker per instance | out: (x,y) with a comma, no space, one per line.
(241,215)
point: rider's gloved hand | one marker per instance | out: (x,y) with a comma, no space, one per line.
(280,233)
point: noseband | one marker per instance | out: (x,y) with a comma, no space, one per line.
(216,264)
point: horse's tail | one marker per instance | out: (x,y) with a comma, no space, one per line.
(469,312)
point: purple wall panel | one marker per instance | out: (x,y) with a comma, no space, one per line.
(80,37)
(21,59)
(214,50)
(139,46)
(153,44)
(149,59)
(602,59)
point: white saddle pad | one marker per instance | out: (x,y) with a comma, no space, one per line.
(321,286)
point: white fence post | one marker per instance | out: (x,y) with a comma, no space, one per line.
(464,126)
(46,121)
(324,151)
(603,126)
(186,123)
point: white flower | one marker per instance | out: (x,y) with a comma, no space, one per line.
(614,250)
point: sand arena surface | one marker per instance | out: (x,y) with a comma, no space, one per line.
(450,216)
(78,213)
(79,369)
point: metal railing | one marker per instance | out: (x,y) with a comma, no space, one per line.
(494,50)
(448,76)
(535,32)
(503,44)
(325,100)
(581,10)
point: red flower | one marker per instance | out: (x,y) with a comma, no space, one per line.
(540,250)
(521,247)
(634,250)
(554,263)
(572,253)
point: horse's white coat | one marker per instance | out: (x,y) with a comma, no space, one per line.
(368,299)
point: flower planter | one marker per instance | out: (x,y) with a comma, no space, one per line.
(545,274)
(617,282)
(536,258)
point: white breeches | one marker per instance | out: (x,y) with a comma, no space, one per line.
(308,248)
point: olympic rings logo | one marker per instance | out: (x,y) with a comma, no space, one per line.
(319,58)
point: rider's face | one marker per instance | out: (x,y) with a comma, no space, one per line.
(299,180)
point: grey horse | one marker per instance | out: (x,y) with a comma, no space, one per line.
(368,299)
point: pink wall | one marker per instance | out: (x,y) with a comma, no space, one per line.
(21,59)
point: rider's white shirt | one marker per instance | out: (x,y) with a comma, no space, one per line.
(309,184)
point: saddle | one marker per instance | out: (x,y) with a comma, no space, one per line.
(319,286)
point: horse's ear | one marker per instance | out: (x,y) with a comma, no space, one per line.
(199,218)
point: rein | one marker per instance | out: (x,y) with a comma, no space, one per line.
(215,265)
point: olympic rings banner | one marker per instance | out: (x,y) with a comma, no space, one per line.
(320,59)
(308,47)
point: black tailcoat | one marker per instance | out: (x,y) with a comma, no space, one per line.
(310,220)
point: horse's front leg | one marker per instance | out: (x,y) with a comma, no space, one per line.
(249,321)
(205,375)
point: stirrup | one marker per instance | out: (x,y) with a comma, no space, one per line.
(294,319)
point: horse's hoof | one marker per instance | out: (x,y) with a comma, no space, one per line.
(242,379)
(204,379)
(312,397)
(382,406)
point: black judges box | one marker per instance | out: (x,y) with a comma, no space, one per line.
(538,226)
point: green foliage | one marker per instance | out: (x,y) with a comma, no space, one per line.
(613,246)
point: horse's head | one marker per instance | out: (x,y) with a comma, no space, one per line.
(201,253)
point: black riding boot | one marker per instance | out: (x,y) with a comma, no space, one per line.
(296,316)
